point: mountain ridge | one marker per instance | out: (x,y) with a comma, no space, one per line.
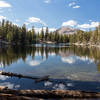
(66,30)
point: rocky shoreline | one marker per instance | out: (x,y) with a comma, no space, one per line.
(86,44)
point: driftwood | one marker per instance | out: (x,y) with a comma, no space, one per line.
(37,79)
(45,78)
(46,94)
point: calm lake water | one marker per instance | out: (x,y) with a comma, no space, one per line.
(69,67)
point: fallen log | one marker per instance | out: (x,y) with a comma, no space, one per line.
(37,79)
(46,94)
(14,97)
(42,79)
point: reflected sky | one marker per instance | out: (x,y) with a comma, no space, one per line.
(34,62)
(71,63)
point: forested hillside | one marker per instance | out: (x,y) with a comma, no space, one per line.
(88,37)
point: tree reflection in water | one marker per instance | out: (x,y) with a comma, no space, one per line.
(10,54)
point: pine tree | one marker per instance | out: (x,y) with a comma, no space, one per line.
(42,35)
(46,34)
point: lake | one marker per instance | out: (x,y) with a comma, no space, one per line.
(69,67)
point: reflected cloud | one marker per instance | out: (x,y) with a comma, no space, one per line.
(69,60)
(51,54)
(17,86)
(38,53)
(74,59)
(86,59)
(7,84)
(3,77)
(44,54)
(47,83)
(1,65)
(84,76)
(35,62)
(69,84)
(59,87)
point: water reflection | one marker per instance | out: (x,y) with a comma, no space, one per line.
(55,84)
(76,59)
(68,67)
(39,54)
(3,77)
(34,62)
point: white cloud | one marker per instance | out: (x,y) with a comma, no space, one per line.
(2,17)
(47,1)
(71,23)
(77,6)
(17,20)
(94,24)
(44,28)
(52,29)
(16,24)
(90,20)
(4,4)
(26,23)
(39,29)
(71,4)
(86,26)
(36,20)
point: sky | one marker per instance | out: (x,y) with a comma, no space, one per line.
(81,14)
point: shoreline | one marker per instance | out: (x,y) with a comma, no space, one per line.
(46,94)
(88,44)
(53,43)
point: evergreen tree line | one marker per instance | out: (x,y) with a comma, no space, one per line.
(21,35)
(86,37)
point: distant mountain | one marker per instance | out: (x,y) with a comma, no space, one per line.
(66,30)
